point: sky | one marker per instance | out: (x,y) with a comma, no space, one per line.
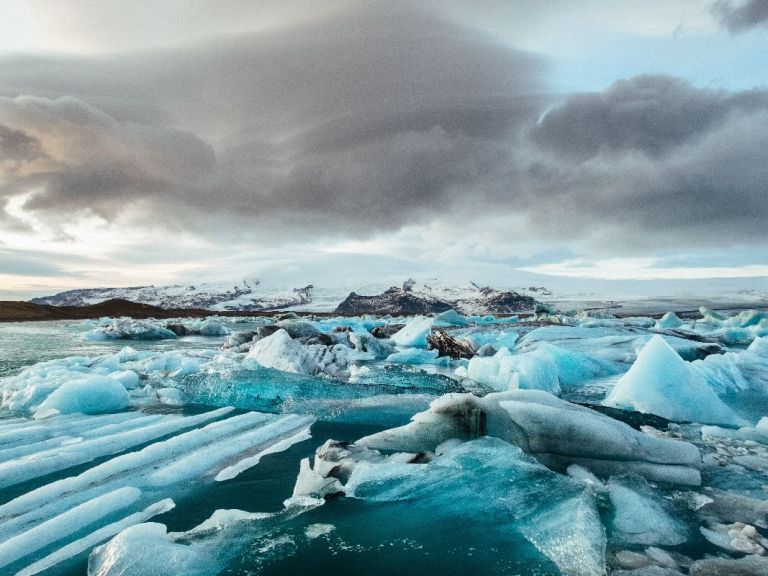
(335,142)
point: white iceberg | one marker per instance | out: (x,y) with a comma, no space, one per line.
(414,333)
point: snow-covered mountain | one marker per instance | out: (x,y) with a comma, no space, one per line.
(244,295)
(252,295)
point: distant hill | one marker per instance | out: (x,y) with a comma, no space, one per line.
(12,311)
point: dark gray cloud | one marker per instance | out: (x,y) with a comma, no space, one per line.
(650,114)
(632,164)
(741,15)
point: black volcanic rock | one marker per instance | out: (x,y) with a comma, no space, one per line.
(392,301)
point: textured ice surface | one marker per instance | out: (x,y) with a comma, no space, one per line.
(641,516)
(505,371)
(147,550)
(662,383)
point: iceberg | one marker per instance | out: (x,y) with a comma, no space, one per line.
(660,382)
(450,318)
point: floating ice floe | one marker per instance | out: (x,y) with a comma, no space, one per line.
(669,320)
(555,432)
(418,356)
(660,382)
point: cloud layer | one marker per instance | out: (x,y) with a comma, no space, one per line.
(373,117)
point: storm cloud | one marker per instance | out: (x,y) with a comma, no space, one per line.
(371,118)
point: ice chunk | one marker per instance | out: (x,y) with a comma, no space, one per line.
(211,327)
(450,318)
(281,352)
(669,320)
(662,383)
(148,550)
(128,378)
(87,395)
(368,347)
(171,396)
(414,333)
(505,371)
(642,517)
(129,329)
(418,356)
(556,432)
(331,360)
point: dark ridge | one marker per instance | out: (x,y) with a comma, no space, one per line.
(393,301)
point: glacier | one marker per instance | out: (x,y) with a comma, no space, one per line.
(569,443)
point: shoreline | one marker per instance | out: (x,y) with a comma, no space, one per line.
(21,311)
